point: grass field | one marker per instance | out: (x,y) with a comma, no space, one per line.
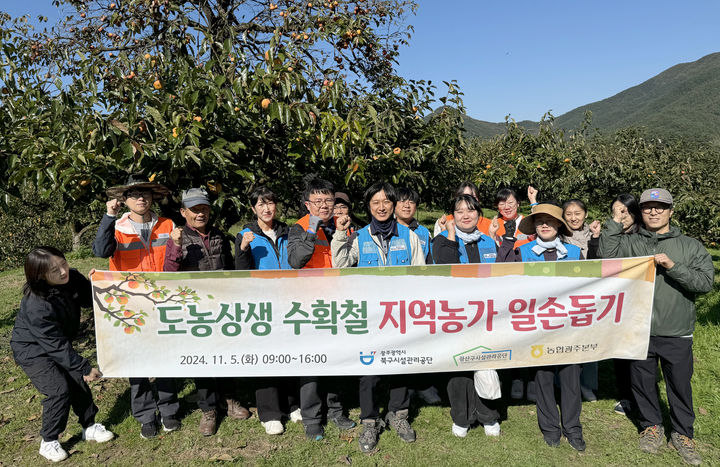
(611,438)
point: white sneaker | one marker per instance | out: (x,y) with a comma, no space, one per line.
(492,430)
(97,432)
(52,451)
(295,416)
(273,427)
(531,391)
(430,395)
(516,390)
(459,431)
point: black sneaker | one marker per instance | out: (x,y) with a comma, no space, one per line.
(368,438)
(149,430)
(552,440)
(170,423)
(343,422)
(315,432)
(577,444)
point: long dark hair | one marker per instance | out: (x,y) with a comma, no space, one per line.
(633,208)
(37,265)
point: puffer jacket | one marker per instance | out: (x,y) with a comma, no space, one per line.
(675,288)
(46,326)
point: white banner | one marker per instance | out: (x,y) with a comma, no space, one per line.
(371,320)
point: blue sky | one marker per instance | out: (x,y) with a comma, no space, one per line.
(525,57)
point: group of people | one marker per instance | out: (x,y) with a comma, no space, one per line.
(330,236)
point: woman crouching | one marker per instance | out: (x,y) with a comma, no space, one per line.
(41,342)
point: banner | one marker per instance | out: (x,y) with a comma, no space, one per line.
(385,320)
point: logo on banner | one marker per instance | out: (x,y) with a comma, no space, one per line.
(537,351)
(482,354)
(367,359)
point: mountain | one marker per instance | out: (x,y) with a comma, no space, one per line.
(682,101)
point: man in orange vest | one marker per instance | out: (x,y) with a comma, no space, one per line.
(136,242)
(309,247)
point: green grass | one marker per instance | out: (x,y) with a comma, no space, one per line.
(611,438)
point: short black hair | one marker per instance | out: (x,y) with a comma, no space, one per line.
(465,198)
(404,193)
(467,184)
(503,194)
(579,202)
(376,188)
(262,193)
(37,265)
(318,186)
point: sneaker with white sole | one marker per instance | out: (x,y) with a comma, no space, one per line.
(623,407)
(430,395)
(273,427)
(459,431)
(296,416)
(97,432)
(492,429)
(52,451)
(516,390)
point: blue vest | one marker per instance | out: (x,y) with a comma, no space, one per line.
(424,236)
(486,248)
(573,253)
(263,252)
(399,252)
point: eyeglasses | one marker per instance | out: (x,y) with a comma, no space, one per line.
(507,204)
(657,210)
(139,193)
(378,203)
(322,202)
(268,204)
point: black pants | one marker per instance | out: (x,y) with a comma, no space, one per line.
(676,359)
(211,391)
(549,420)
(144,404)
(369,405)
(275,397)
(466,407)
(62,390)
(622,379)
(312,389)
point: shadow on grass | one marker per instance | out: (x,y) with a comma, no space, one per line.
(9,320)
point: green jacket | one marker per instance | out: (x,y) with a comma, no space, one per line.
(675,288)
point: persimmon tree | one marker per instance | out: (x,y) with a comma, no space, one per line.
(221,93)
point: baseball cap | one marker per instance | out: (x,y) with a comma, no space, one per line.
(659,195)
(194,196)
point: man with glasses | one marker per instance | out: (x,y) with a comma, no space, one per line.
(137,242)
(405,209)
(684,270)
(309,247)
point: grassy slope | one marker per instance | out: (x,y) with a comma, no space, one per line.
(611,438)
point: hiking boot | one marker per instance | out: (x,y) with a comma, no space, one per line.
(273,427)
(552,440)
(460,431)
(315,432)
(170,423)
(651,439)
(52,451)
(343,422)
(577,444)
(237,411)
(685,447)
(208,423)
(97,432)
(149,430)
(516,389)
(623,407)
(296,416)
(368,438)
(430,395)
(398,421)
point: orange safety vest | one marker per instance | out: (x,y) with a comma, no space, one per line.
(483,223)
(132,254)
(322,256)
(522,238)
